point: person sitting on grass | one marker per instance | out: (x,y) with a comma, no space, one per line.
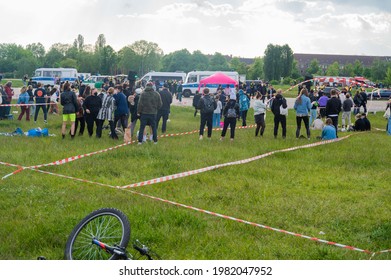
(329,132)
(359,124)
(317,123)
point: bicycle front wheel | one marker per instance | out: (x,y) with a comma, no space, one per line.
(108,225)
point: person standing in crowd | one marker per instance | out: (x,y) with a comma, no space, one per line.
(147,108)
(333,107)
(364,99)
(196,101)
(347,106)
(314,103)
(329,131)
(9,93)
(302,107)
(388,127)
(231,113)
(244,105)
(357,100)
(322,102)
(164,110)
(80,120)
(91,106)
(70,107)
(121,112)
(31,100)
(179,91)
(277,103)
(3,97)
(24,99)
(217,112)
(40,101)
(259,114)
(207,105)
(133,102)
(106,113)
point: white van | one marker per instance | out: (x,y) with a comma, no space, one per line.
(52,76)
(193,79)
(163,76)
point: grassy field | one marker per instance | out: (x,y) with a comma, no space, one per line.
(339,192)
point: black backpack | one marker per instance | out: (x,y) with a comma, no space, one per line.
(208,105)
(231,113)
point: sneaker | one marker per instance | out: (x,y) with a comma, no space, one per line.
(222,138)
(139,143)
(45,121)
(201,137)
(155,143)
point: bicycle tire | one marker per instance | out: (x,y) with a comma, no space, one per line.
(108,225)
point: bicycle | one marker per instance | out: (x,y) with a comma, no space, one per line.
(104,235)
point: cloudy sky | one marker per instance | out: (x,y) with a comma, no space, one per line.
(232,27)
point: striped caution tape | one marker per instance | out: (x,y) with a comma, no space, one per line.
(73,158)
(26,105)
(352,248)
(226,216)
(243,161)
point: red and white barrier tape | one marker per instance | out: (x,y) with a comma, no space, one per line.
(243,161)
(73,158)
(352,248)
(25,105)
(225,216)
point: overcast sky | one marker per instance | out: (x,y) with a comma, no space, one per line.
(232,27)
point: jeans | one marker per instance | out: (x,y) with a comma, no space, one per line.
(147,119)
(244,117)
(313,115)
(260,121)
(216,119)
(100,126)
(346,116)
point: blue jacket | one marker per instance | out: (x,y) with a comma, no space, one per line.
(121,104)
(329,132)
(244,102)
(305,106)
(24,98)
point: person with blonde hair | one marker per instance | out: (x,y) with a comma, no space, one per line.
(24,99)
(302,107)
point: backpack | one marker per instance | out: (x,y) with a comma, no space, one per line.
(208,105)
(231,113)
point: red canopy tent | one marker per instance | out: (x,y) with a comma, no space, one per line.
(217,79)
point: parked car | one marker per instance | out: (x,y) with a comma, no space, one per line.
(327,91)
(379,94)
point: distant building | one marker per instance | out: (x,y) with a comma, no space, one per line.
(325,60)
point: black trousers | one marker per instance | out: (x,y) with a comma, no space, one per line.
(231,122)
(90,120)
(277,120)
(206,119)
(306,123)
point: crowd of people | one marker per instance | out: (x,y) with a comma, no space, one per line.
(86,107)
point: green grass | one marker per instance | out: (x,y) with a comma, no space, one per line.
(341,189)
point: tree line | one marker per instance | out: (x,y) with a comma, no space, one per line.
(142,56)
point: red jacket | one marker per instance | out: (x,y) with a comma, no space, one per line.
(9,93)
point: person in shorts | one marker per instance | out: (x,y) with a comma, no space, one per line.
(70,107)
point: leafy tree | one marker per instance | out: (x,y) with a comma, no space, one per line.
(278,62)
(199,61)
(379,69)
(107,58)
(53,57)
(255,70)
(314,67)
(387,79)
(358,68)
(148,56)
(177,61)
(333,69)
(347,70)
(127,60)
(100,42)
(218,62)
(37,50)
(238,66)
(68,63)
